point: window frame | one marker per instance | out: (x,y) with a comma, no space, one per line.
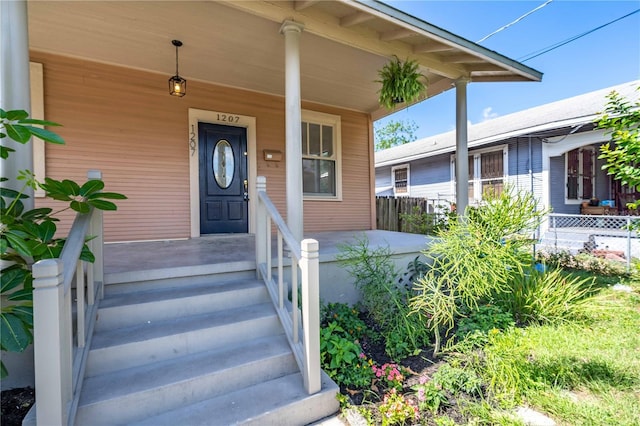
(580,187)
(477,179)
(393,180)
(335,121)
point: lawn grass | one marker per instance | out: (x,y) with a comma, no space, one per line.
(579,373)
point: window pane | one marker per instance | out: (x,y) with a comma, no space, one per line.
(587,174)
(305,139)
(318,177)
(314,139)
(471,163)
(491,165)
(573,161)
(492,188)
(401,181)
(327,141)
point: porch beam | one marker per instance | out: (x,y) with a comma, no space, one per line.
(15,92)
(462,148)
(397,34)
(293,130)
(431,47)
(355,19)
(303,4)
(328,26)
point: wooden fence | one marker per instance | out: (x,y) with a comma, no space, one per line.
(390,211)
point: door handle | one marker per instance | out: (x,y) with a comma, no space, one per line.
(245,195)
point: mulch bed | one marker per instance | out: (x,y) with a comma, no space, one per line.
(15,405)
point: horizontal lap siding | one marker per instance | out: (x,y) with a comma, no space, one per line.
(354,212)
(124,123)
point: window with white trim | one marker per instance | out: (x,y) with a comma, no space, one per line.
(487,172)
(579,174)
(321,166)
(400,180)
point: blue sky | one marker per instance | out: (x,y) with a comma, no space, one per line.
(598,60)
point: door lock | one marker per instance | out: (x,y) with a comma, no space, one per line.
(245,195)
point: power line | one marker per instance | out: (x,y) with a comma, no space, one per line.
(514,22)
(569,40)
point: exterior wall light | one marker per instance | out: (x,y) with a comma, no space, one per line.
(177,84)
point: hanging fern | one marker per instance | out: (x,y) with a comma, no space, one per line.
(401,82)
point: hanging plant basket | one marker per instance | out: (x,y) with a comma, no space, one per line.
(401,82)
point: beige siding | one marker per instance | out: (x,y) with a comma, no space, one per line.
(123,122)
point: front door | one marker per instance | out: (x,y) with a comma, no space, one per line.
(223,179)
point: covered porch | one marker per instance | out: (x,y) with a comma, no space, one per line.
(236,253)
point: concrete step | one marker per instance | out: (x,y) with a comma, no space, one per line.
(282,401)
(153,341)
(137,393)
(128,309)
(177,277)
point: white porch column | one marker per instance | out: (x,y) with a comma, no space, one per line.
(14,85)
(293,119)
(462,149)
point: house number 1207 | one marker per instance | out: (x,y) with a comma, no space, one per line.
(228,118)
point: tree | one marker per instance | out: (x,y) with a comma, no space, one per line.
(621,119)
(395,133)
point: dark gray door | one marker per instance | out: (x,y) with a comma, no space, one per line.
(223,179)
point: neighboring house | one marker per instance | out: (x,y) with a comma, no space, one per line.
(550,150)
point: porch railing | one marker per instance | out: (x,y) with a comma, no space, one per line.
(301,321)
(62,331)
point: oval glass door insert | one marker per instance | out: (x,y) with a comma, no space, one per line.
(223,163)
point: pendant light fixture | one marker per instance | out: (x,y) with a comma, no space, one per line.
(177,84)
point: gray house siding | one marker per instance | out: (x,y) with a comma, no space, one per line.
(525,165)
(383,181)
(431,178)
(557,182)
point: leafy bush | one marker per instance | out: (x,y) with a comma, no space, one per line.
(484,319)
(456,379)
(430,396)
(343,359)
(543,297)
(390,375)
(476,258)
(27,236)
(397,410)
(376,276)
(347,318)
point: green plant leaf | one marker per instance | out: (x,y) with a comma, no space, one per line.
(4,152)
(12,278)
(70,187)
(10,193)
(80,206)
(46,230)
(3,246)
(24,294)
(18,243)
(25,312)
(39,122)
(87,255)
(108,195)
(18,133)
(3,370)
(15,336)
(91,187)
(103,205)
(46,135)
(36,214)
(16,114)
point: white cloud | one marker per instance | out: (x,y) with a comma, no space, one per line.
(488,114)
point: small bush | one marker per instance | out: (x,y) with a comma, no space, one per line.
(347,318)
(544,297)
(583,261)
(430,396)
(456,379)
(397,410)
(484,319)
(343,359)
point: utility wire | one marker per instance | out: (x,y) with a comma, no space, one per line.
(514,22)
(569,40)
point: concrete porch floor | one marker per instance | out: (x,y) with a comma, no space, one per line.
(217,249)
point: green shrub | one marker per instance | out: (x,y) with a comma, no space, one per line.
(419,222)
(342,359)
(376,277)
(456,380)
(347,318)
(475,259)
(430,396)
(484,319)
(395,409)
(543,297)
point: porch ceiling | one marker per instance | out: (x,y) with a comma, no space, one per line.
(238,44)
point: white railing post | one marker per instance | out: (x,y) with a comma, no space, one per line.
(52,342)
(309,264)
(261,225)
(96,229)
(628,254)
